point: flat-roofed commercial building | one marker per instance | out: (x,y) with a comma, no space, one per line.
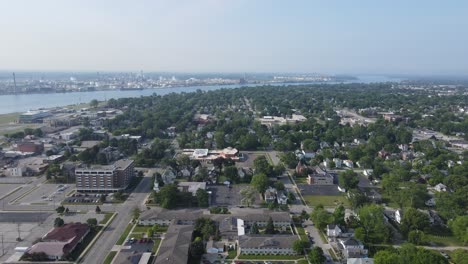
(108,178)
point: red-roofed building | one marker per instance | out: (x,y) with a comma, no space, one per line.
(61,241)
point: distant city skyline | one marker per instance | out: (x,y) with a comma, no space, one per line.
(208,36)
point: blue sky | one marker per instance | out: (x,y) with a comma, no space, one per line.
(349,37)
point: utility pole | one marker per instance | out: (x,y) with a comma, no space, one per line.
(3,248)
(19,232)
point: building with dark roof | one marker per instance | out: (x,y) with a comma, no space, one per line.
(175,246)
(267,245)
(61,241)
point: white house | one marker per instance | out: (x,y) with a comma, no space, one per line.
(270,195)
(440,187)
(281,198)
(352,248)
(333,231)
(338,162)
(348,163)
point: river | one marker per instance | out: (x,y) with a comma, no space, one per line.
(25,102)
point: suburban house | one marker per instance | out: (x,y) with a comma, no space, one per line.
(352,248)
(61,241)
(348,163)
(270,195)
(440,187)
(281,197)
(267,245)
(333,231)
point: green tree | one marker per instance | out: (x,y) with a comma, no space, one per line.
(197,247)
(321,217)
(202,198)
(260,182)
(289,159)
(339,215)
(316,256)
(348,179)
(98,210)
(92,222)
(416,237)
(58,222)
(231,173)
(261,166)
(254,229)
(386,257)
(249,195)
(299,246)
(167,196)
(460,256)
(371,218)
(94,103)
(459,227)
(279,185)
(270,227)
(60,209)
(413,220)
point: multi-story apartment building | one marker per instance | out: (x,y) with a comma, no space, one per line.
(108,178)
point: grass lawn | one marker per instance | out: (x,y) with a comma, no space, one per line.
(8,118)
(141,229)
(301,180)
(447,241)
(232,254)
(302,234)
(327,201)
(156,244)
(323,237)
(124,234)
(137,235)
(270,257)
(110,257)
(107,216)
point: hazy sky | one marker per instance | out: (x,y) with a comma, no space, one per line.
(329,36)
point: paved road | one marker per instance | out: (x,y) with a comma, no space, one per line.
(112,233)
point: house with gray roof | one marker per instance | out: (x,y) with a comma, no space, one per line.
(267,245)
(174,247)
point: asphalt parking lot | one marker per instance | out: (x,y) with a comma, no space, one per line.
(228,196)
(133,254)
(46,194)
(91,198)
(6,188)
(23,217)
(318,189)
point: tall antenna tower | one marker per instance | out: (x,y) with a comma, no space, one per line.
(14,81)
